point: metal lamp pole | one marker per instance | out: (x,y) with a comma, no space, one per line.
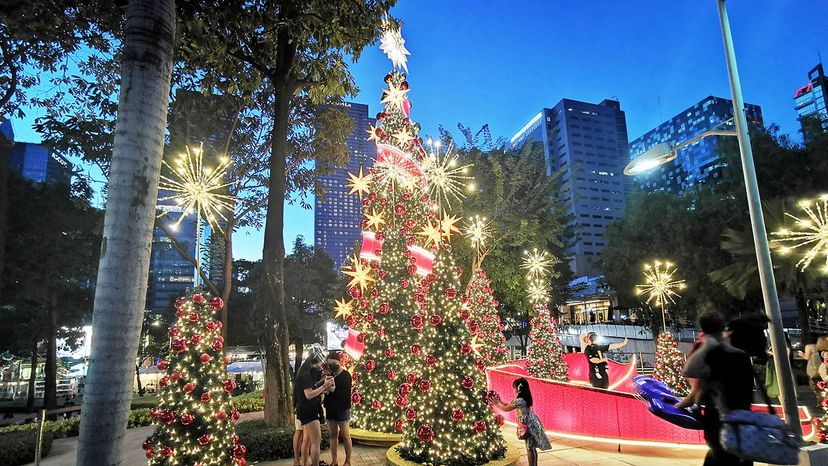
(787,393)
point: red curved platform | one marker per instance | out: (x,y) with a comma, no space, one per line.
(576,410)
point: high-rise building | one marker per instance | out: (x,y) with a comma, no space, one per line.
(699,162)
(337,214)
(588,143)
(6,129)
(39,163)
(811,103)
(195,119)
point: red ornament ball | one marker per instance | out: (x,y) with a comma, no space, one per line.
(163,382)
(457,415)
(410,414)
(173,332)
(467,382)
(206,397)
(401,401)
(425,433)
(404,283)
(436,320)
(180,313)
(499,419)
(356,376)
(391,374)
(370,365)
(194,316)
(216,304)
(166,451)
(417,321)
(355,292)
(162,365)
(377,404)
(234,415)
(361,338)
(195,340)
(150,453)
(241,462)
(384,308)
(205,440)
(205,358)
(425,385)
(381,332)
(229,385)
(211,325)
(217,345)
(399,425)
(479,426)
(221,415)
(176,376)
(481,365)
(147,443)
(411,269)
(380,235)
(410,223)
(465,349)
(465,314)
(451,293)
(431,360)
(198,298)
(369,317)
(415,349)
(411,378)
(404,389)
(820,385)
(356,398)
(187,419)
(189,387)
(399,210)
(390,353)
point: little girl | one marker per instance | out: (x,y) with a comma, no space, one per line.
(523,404)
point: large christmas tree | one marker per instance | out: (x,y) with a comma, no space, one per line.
(546,359)
(449,420)
(195,418)
(669,362)
(483,320)
(821,423)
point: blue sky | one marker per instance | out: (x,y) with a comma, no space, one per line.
(499,62)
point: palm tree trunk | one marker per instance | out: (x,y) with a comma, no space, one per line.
(50,380)
(121,289)
(271,297)
(30,398)
(228,273)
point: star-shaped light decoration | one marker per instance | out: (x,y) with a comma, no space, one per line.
(394,96)
(343,308)
(448,226)
(811,233)
(197,188)
(360,184)
(373,133)
(360,274)
(375,219)
(475,344)
(538,292)
(393,45)
(447,177)
(403,136)
(433,232)
(660,283)
(478,230)
(536,263)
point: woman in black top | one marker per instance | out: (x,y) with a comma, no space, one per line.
(310,385)
(338,409)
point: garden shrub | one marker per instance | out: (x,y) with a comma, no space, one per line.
(18,447)
(266,442)
(249,402)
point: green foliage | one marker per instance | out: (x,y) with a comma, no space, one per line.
(249,402)
(17,448)
(265,442)
(70,427)
(310,285)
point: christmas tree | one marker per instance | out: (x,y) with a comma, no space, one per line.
(483,320)
(669,362)
(449,420)
(195,418)
(821,423)
(546,359)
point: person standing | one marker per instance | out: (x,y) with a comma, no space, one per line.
(311,385)
(597,359)
(523,404)
(338,409)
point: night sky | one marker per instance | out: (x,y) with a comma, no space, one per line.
(499,62)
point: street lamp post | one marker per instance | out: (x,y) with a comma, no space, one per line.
(664,153)
(787,393)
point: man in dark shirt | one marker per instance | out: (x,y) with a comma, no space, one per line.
(597,360)
(338,408)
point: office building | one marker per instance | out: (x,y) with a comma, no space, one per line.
(337,214)
(588,143)
(195,119)
(811,103)
(699,162)
(39,163)
(6,129)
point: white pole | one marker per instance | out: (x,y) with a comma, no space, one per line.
(787,391)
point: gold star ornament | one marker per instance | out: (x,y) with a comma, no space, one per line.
(433,232)
(360,274)
(359,184)
(343,308)
(394,96)
(375,219)
(448,226)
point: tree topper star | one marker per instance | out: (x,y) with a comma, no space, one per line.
(393,45)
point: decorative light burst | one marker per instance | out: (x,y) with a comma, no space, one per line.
(360,274)
(811,234)
(660,285)
(447,177)
(537,263)
(478,230)
(393,45)
(197,188)
(392,172)
(360,184)
(538,292)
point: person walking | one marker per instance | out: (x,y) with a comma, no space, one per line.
(535,435)
(338,409)
(311,385)
(597,359)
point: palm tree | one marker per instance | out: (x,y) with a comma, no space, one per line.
(741,277)
(120,295)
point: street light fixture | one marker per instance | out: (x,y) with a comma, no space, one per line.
(787,393)
(666,153)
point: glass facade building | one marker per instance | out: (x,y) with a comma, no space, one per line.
(170,273)
(696,163)
(39,164)
(811,103)
(588,143)
(336,213)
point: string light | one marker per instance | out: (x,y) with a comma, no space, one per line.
(811,234)
(660,283)
(536,263)
(447,177)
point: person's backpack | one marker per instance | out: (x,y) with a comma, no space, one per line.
(813,365)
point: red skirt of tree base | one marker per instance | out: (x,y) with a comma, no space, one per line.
(576,408)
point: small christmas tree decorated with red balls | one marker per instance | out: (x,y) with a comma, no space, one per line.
(669,362)
(546,359)
(483,322)
(195,419)
(821,423)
